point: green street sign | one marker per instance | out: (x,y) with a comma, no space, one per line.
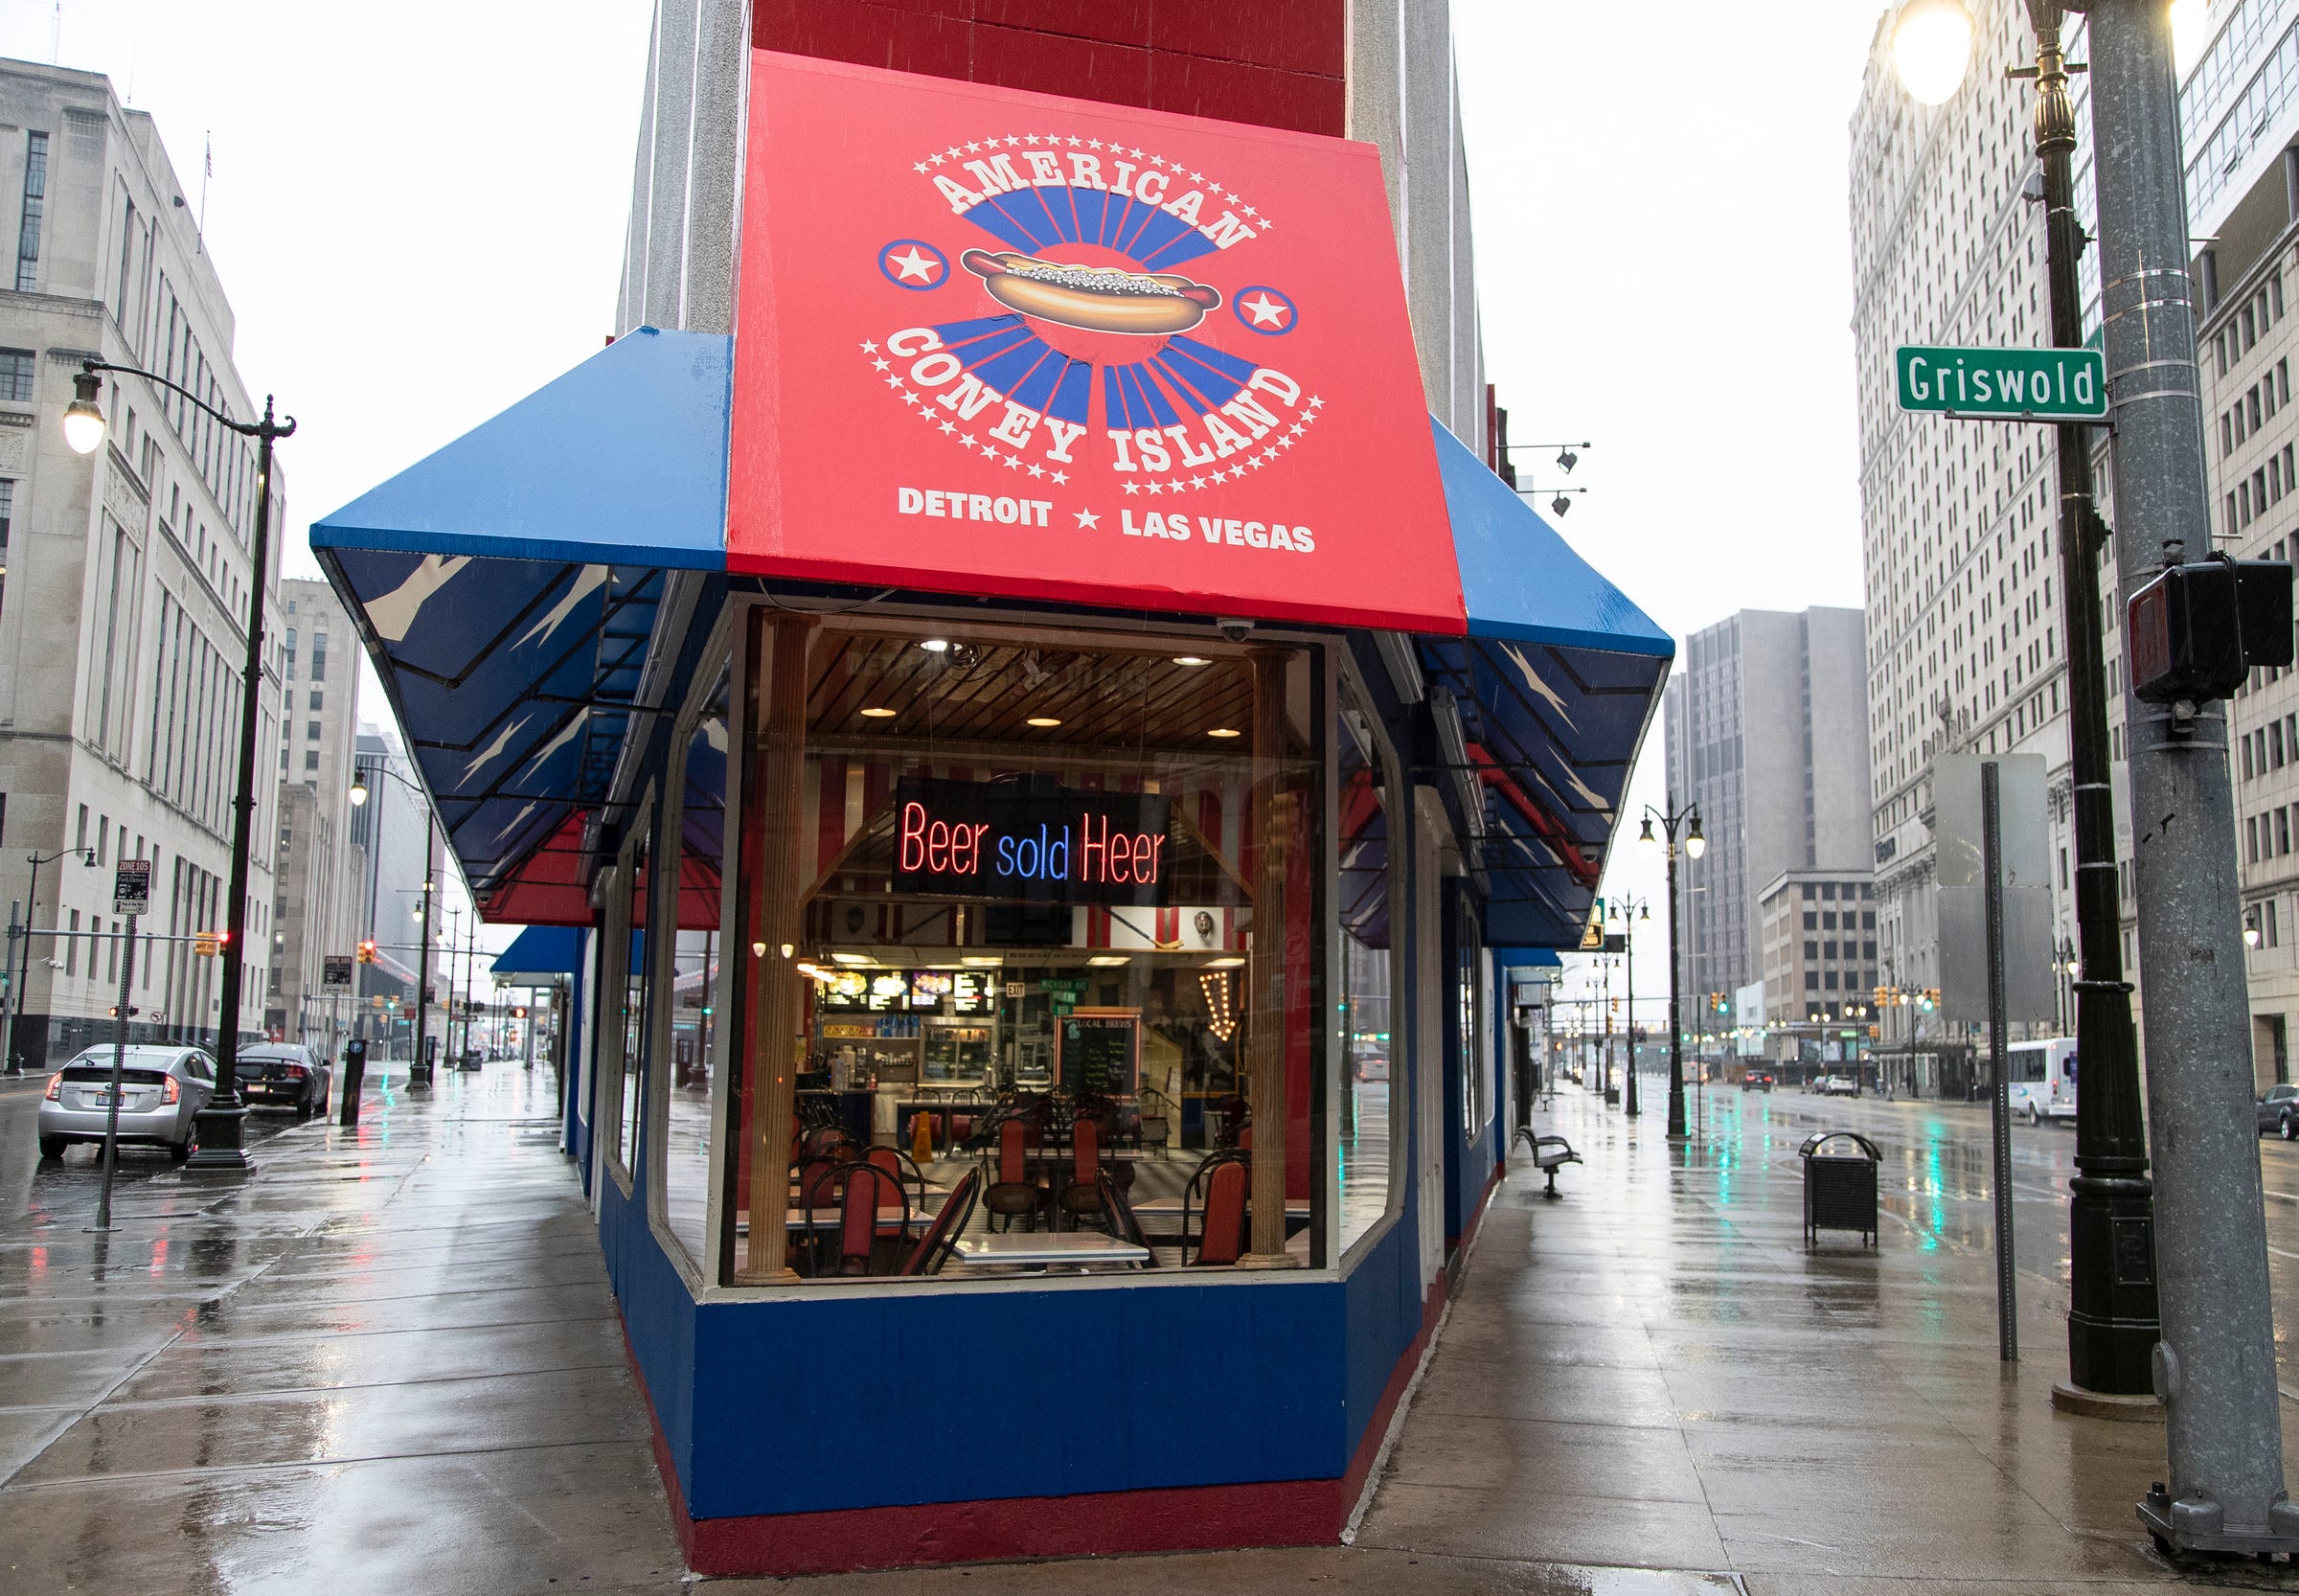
(2004,384)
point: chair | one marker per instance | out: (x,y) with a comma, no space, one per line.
(832,1139)
(1081,1197)
(1235,1114)
(1017,1190)
(902,1167)
(862,1189)
(1156,1132)
(1122,1222)
(936,1246)
(1219,1191)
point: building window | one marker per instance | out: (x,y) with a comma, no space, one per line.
(16,369)
(72,946)
(8,512)
(317,695)
(311,759)
(311,731)
(1811,950)
(1811,980)
(36,191)
(319,655)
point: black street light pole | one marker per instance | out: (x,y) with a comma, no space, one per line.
(1629,909)
(220,1121)
(418,1069)
(16,996)
(2111,1323)
(1695,845)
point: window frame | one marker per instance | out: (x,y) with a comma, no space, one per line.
(1347,687)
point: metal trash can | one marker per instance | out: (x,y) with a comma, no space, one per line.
(1840,1188)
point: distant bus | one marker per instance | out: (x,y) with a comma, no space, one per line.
(2043,1077)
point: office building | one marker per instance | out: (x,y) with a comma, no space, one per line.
(389,863)
(128,581)
(316,910)
(1765,733)
(1818,930)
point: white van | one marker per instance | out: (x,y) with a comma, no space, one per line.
(2043,1077)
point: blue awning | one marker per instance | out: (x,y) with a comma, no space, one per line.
(540,951)
(506,586)
(1555,685)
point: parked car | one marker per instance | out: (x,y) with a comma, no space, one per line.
(161,1089)
(1756,1081)
(1837,1085)
(285,1074)
(2279,1111)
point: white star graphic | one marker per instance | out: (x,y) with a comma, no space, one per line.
(1196,482)
(1087,518)
(951,152)
(1295,431)
(989,451)
(1266,311)
(1037,471)
(1135,153)
(1197,177)
(947,428)
(893,381)
(918,166)
(909,398)
(1284,442)
(1250,211)
(1174,486)
(1061,477)
(1131,487)
(879,364)
(935,160)
(1073,141)
(1012,463)
(1011,140)
(972,149)
(1157,160)
(968,439)
(869,347)
(1157,488)
(1237,474)
(1316,404)
(1092,144)
(914,265)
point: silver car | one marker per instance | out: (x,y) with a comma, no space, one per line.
(2279,1111)
(161,1088)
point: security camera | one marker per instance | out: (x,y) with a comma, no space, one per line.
(1235,629)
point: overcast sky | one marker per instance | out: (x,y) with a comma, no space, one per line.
(417,212)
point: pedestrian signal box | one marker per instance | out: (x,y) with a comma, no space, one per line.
(204,944)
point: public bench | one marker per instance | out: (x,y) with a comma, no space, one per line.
(1550,1154)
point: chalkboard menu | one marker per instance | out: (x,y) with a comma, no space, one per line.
(1098,1050)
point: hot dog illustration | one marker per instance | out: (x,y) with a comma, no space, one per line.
(1098,299)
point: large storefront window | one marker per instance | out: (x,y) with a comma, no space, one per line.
(1057,950)
(699,826)
(636,992)
(1370,1115)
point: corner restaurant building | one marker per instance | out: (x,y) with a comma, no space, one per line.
(1041,642)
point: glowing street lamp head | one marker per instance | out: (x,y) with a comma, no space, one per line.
(84,417)
(1931,46)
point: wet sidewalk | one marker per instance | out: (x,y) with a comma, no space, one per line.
(390,1364)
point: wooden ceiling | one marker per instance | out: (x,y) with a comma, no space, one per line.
(983,691)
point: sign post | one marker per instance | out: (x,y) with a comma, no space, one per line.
(2048,384)
(132,896)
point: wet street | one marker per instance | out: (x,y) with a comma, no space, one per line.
(390,1364)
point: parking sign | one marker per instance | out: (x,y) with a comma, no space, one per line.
(131,887)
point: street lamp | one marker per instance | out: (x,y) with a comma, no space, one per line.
(1626,913)
(220,1120)
(15,993)
(1695,845)
(2250,934)
(1931,44)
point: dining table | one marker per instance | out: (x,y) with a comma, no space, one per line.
(1040,1249)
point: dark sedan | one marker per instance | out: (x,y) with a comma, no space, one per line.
(285,1074)
(2279,1111)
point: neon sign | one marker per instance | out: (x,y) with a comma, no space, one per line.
(1003,841)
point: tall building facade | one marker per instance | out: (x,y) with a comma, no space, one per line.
(389,861)
(1765,729)
(2240,116)
(316,911)
(1966,651)
(129,579)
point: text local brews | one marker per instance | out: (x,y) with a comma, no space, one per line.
(995,839)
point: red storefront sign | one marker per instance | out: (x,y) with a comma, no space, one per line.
(1006,343)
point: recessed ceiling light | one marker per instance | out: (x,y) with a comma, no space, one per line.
(936,645)
(876,713)
(1043,720)
(990,961)
(1231,963)
(853,958)
(1224,731)
(1189,659)
(1106,961)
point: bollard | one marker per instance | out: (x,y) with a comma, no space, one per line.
(355,1077)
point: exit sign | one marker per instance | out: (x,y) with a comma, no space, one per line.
(2004,384)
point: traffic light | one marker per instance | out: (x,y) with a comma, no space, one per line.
(367,951)
(206,942)
(518,1011)
(1930,999)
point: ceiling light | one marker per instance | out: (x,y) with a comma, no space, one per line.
(878,714)
(1043,720)
(854,959)
(991,961)
(1224,731)
(1108,961)
(1232,962)
(936,645)
(1189,659)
